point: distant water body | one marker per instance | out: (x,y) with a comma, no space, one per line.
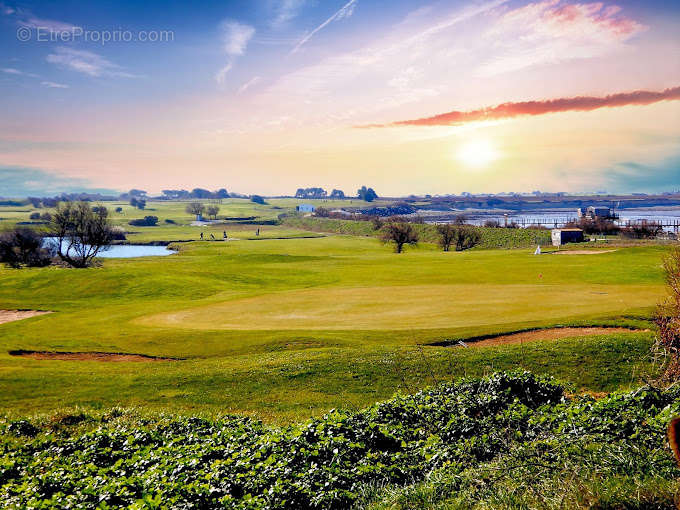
(125,251)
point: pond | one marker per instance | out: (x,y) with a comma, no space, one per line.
(126,251)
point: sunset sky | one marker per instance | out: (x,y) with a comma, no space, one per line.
(265,96)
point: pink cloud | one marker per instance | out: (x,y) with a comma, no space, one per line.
(532,108)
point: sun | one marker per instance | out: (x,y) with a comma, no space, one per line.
(477,153)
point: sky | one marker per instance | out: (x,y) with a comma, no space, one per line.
(408,97)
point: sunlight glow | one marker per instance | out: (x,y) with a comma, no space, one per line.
(477,153)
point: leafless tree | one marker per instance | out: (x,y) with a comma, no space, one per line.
(212,211)
(447,235)
(195,208)
(400,234)
(462,237)
(80,232)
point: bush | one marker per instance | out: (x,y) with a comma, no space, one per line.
(492,224)
(147,221)
(34,216)
(24,247)
(668,318)
(170,222)
(47,217)
(119,210)
(462,237)
(512,428)
(597,226)
(642,230)
(257,199)
(118,233)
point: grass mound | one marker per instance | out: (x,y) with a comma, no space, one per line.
(516,425)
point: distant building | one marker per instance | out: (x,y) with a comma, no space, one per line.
(308,208)
(596,213)
(562,236)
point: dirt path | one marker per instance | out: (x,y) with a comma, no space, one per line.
(544,334)
(17,315)
(88,356)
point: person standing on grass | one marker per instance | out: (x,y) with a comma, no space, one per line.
(201,236)
(258,232)
(224,235)
(212,237)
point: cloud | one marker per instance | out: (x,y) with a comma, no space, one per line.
(253,81)
(236,36)
(221,75)
(6,9)
(552,31)
(85,62)
(286,11)
(17,72)
(344,12)
(53,85)
(49,25)
(235,39)
(533,108)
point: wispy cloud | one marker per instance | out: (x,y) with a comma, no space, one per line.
(53,85)
(250,83)
(235,39)
(86,62)
(286,11)
(533,108)
(46,24)
(344,12)
(552,31)
(17,72)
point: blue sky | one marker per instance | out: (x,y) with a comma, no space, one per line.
(265,95)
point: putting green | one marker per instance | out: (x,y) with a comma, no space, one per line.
(410,307)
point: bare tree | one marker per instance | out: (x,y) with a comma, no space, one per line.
(195,208)
(400,234)
(81,232)
(668,318)
(447,236)
(212,211)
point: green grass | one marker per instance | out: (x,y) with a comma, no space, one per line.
(233,311)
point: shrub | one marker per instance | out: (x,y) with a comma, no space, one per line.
(492,224)
(642,230)
(322,212)
(170,222)
(34,216)
(668,318)
(257,199)
(118,233)
(24,247)
(119,210)
(46,217)
(147,221)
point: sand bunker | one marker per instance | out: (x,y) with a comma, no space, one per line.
(537,335)
(88,356)
(583,252)
(17,315)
